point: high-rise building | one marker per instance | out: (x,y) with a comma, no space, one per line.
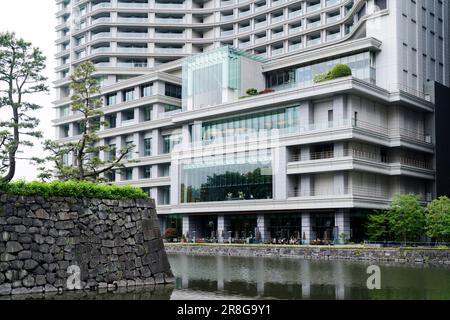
(292,157)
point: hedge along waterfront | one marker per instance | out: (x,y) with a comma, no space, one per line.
(73,189)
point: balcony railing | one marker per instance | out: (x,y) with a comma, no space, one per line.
(377,193)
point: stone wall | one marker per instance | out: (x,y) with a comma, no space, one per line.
(418,256)
(113,243)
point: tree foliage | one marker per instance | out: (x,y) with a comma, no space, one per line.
(378,226)
(437,219)
(21,75)
(403,221)
(406,217)
(85,150)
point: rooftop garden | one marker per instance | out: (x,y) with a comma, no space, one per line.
(338,71)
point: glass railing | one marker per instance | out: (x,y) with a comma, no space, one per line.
(227,18)
(169,20)
(132,20)
(260,8)
(132,64)
(169,50)
(313,8)
(100,50)
(277,35)
(260,24)
(226,33)
(277,19)
(315,24)
(101,35)
(260,40)
(295,30)
(330,3)
(296,46)
(132,5)
(245,29)
(131,50)
(101,5)
(313,42)
(101,20)
(164,35)
(333,36)
(132,35)
(295,14)
(169,5)
(278,51)
(333,19)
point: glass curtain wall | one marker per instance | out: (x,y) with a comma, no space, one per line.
(237,176)
(284,121)
(362,66)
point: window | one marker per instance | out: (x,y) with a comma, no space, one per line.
(173,90)
(111,99)
(170,142)
(146,90)
(65,130)
(110,176)
(147,147)
(147,113)
(128,95)
(164,196)
(164,170)
(112,152)
(128,115)
(111,120)
(129,154)
(64,111)
(146,172)
(127,174)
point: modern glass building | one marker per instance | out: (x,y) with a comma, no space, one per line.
(290,158)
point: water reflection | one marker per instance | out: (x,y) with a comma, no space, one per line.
(225,277)
(221,277)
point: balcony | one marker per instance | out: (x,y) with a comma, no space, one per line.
(313,8)
(132,64)
(101,35)
(333,36)
(101,5)
(170,20)
(168,35)
(132,35)
(312,25)
(314,42)
(132,20)
(132,5)
(178,6)
(331,3)
(169,50)
(277,19)
(101,20)
(131,50)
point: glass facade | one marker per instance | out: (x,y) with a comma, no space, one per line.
(362,66)
(236,176)
(285,120)
(208,77)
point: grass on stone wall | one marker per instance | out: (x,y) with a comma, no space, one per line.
(72,189)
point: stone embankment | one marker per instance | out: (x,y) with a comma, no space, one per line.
(396,255)
(57,244)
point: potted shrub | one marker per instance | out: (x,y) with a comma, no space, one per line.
(252,92)
(170,234)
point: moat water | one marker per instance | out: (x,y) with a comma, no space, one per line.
(224,277)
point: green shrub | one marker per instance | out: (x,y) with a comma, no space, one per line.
(73,189)
(338,71)
(252,92)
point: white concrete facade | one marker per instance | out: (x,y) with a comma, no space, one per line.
(357,143)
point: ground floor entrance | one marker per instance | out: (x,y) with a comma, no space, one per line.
(309,227)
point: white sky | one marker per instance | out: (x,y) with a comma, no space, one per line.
(34,21)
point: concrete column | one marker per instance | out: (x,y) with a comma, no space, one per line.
(174,183)
(339,149)
(340,110)
(340,183)
(186,227)
(138,149)
(305,153)
(156,142)
(342,224)
(280,172)
(263,225)
(223,226)
(306,228)
(119,146)
(306,185)
(306,115)
(186,137)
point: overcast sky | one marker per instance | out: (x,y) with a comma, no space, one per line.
(34,20)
